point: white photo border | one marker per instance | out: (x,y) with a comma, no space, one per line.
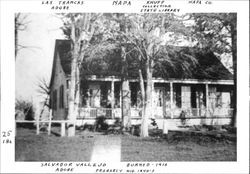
(9,8)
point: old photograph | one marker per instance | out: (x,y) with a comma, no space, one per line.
(125,87)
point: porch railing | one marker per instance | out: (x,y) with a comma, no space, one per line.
(189,112)
(198,112)
(98,112)
(136,112)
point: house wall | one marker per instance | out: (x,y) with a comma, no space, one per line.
(59,80)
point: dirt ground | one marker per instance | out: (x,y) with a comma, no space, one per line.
(84,146)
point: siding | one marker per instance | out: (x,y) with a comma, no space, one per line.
(59,79)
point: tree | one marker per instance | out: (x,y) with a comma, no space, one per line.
(21,24)
(218,32)
(111,41)
(143,37)
(148,33)
(122,20)
(44,90)
(24,110)
(79,28)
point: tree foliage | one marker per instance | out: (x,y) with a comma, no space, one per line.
(218,32)
(24,110)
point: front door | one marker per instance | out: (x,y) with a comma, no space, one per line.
(95,96)
(159,102)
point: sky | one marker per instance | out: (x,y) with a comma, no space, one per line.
(35,62)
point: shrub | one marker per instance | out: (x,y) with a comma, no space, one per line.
(101,124)
(154,123)
(229,128)
(183,117)
(135,130)
(24,109)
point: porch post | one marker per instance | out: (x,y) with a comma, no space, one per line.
(152,98)
(37,125)
(50,117)
(171,100)
(207,101)
(63,129)
(121,98)
(112,97)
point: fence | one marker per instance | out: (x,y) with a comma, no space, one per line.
(37,122)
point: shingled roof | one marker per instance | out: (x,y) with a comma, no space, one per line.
(208,67)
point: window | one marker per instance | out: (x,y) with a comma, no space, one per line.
(61,99)
(104,92)
(213,97)
(177,95)
(134,94)
(95,96)
(197,96)
(67,83)
(117,95)
(159,94)
(218,99)
(55,99)
(185,97)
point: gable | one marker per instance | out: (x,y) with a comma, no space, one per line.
(59,65)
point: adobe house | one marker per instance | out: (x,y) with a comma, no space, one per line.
(204,97)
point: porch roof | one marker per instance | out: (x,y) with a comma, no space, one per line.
(161,80)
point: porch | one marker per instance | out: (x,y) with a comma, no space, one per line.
(172,99)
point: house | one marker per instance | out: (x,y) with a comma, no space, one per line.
(204,97)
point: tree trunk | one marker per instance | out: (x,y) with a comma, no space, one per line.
(72,111)
(77,91)
(126,123)
(234,54)
(16,41)
(77,41)
(142,88)
(72,88)
(148,102)
(126,108)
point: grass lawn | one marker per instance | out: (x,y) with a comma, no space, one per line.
(152,149)
(32,147)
